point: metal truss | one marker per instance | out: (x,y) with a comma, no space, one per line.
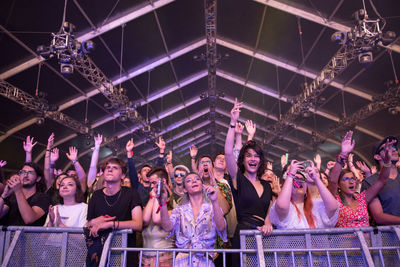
(211,60)
(309,97)
(40,107)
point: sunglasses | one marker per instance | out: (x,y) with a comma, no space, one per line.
(204,162)
(344,179)
(23,172)
(180,174)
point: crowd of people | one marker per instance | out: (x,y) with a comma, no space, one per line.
(204,206)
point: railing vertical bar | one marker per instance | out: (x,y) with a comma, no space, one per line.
(241,259)
(140,257)
(307,237)
(345,258)
(365,249)
(293,261)
(64,242)
(106,249)
(276,259)
(124,245)
(381,256)
(2,243)
(224,258)
(190,258)
(242,246)
(260,251)
(157,257)
(11,248)
(173,259)
(398,254)
(328,257)
(207,259)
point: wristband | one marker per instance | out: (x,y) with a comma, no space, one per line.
(52,165)
(159,208)
(151,197)
(388,165)
(232,126)
(290,175)
(74,161)
(129,152)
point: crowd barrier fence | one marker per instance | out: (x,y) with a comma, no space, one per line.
(367,246)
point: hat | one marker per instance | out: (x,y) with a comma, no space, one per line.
(378,145)
(181,167)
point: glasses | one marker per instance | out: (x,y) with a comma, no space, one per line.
(344,179)
(23,172)
(180,174)
(204,162)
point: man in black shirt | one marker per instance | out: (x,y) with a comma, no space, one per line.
(113,207)
(23,201)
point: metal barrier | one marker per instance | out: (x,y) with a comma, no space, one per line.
(380,246)
(42,246)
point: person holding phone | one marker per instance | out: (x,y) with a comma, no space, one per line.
(295,207)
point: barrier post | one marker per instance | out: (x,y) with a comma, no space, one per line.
(11,248)
(365,250)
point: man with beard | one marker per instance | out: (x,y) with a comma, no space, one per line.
(180,172)
(385,209)
(23,201)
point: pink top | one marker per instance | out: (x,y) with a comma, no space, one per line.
(354,218)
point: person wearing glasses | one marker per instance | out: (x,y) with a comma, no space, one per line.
(385,209)
(343,184)
(23,201)
(179,172)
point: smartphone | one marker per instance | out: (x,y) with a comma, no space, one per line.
(306,164)
(159,188)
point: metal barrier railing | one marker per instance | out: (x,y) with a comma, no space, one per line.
(51,246)
(380,246)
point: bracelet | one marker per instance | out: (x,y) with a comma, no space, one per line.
(232,126)
(74,161)
(388,165)
(290,175)
(151,197)
(159,208)
(52,165)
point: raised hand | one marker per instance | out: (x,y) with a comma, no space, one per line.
(251,128)
(269,165)
(374,169)
(363,167)
(193,151)
(15,183)
(347,143)
(73,153)
(29,144)
(295,166)
(283,160)
(239,128)
(275,185)
(161,144)
(211,192)
(312,172)
(98,140)
(50,141)
(130,145)
(330,164)
(235,112)
(3,163)
(54,154)
(318,161)
(387,159)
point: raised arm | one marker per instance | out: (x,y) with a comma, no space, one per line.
(384,174)
(28,146)
(218,214)
(48,175)
(95,158)
(330,201)
(229,156)
(193,154)
(166,223)
(54,155)
(346,147)
(73,156)
(161,145)
(132,173)
(148,209)
(364,168)
(283,201)
(318,161)
(238,136)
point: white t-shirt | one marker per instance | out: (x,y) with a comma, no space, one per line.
(292,221)
(71,215)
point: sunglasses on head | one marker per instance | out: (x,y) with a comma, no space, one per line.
(383,148)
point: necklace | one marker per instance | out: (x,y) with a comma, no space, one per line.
(110,205)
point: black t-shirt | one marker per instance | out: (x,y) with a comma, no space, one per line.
(13,217)
(120,204)
(247,202)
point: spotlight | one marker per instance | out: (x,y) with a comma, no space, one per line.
(339,37)
(68,27)
(66,68)
(365,58)
(88,46)
(44,51)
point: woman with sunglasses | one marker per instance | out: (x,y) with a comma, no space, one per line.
(295,206)
(343,184)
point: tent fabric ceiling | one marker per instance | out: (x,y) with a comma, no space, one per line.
(149,47)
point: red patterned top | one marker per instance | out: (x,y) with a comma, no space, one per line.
(351,218)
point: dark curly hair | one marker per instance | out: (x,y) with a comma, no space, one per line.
(41,184)
(257,148)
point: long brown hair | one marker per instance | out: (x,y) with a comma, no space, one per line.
(307,208)
(78,193)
